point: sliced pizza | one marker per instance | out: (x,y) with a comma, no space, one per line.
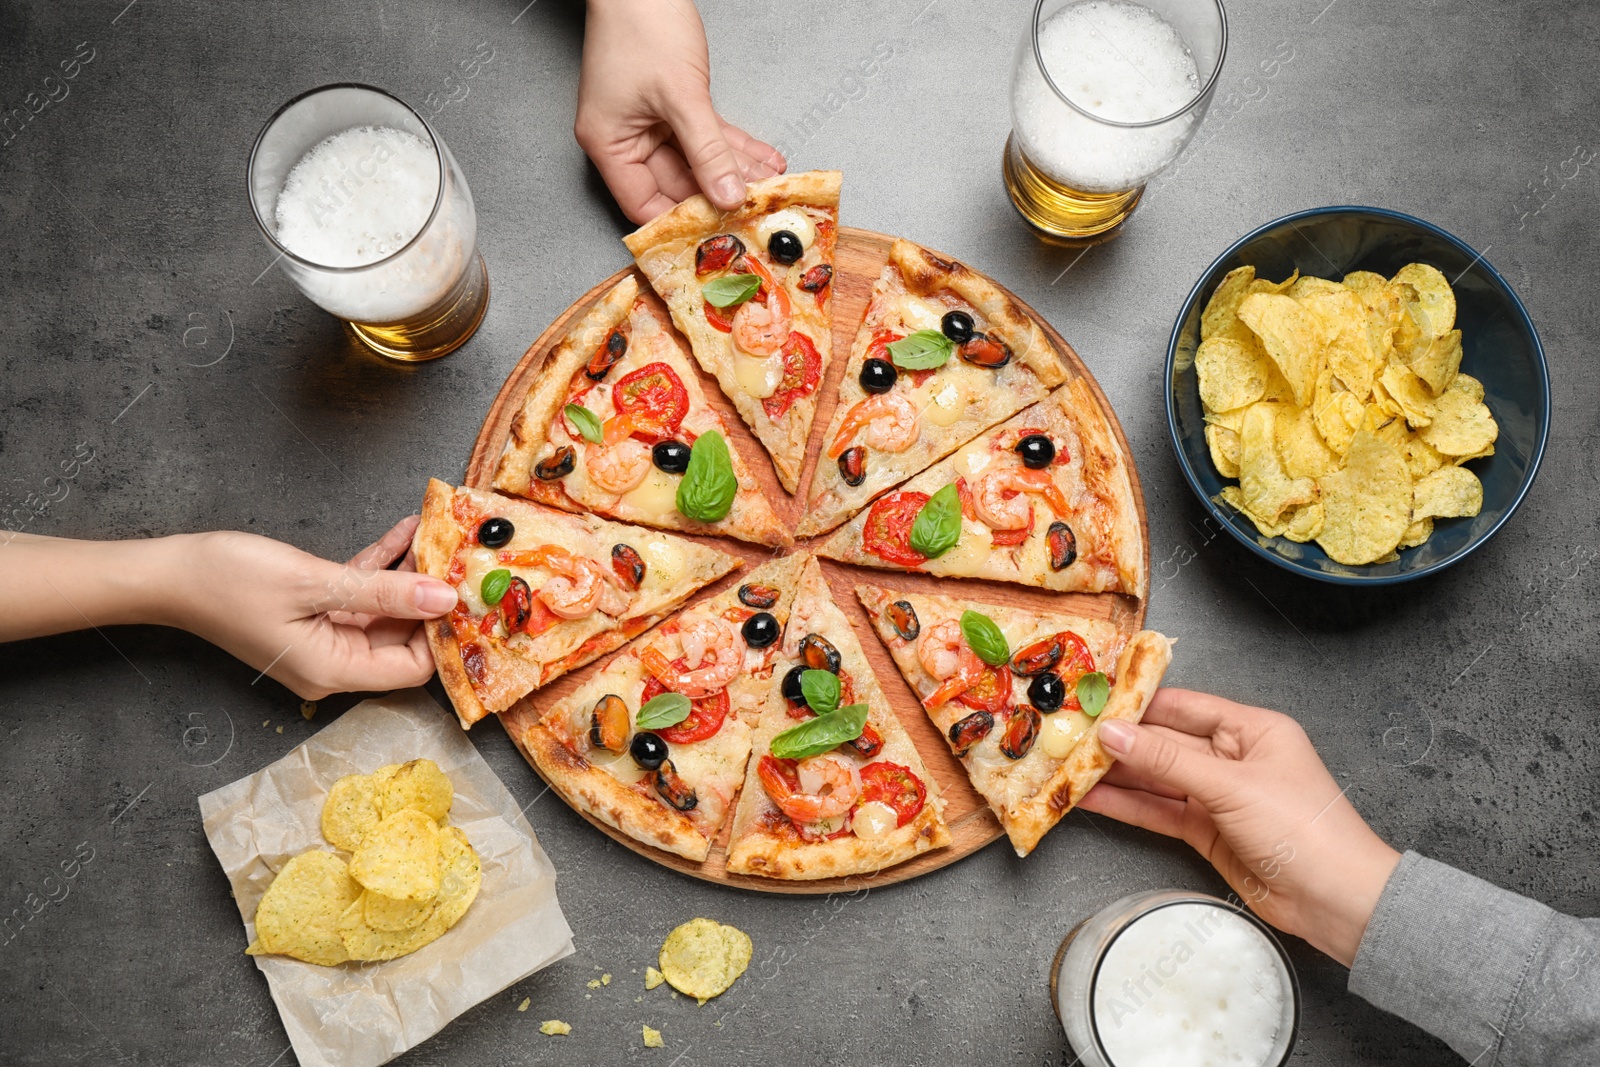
(752,290)
(655,744)
(943,354)
(1044,499)
(835,786)
(542,591)
(1008,688)
(611,423)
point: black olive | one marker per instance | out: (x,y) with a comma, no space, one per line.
(1047,691)
(791,686)
(648,750)
(878,376)
(957,325)
(670,456)
(1037,451)
(761,629)
(784,246)
(495,532)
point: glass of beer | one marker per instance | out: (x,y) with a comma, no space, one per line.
(372,219)
(1171,976)
(1104,95)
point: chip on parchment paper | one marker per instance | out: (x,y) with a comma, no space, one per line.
(350,812)
(298,915)
(461,877)
(418,785)
(702,958)
(400,857)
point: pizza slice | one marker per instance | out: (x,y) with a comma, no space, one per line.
(542,591)
(655,744)
(835,786)
(751,289)
(942,354)
(1045,499)
(1003,684)
(613,419)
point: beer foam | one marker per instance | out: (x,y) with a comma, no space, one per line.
(358,197)
(1116,60)
(1190,985)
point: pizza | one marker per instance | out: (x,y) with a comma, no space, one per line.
(611,422)
(655,744)
(542,591)
(854,797)
(752,291)
(942,354)
(1005,687)
(1044,499)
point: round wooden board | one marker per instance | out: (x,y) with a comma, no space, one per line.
(858,260)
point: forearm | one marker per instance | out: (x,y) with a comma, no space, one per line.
(50,585)
(1504,980)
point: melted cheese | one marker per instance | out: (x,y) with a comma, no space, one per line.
(917,315)
(792,219)
(946,397)
(656,496)
(973,460)
(874,820)
(946,404)
(969,555)
(759,376)
(619,765)
(480,561)
(1061,732)
(664,564)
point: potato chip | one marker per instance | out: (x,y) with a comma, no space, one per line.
(458,888)
(1289,334)
(1224,445)
(1338,414)
(1232,374)
(350,811)
(1416,533)
(299,913)
(1421,459)
(1439,364)
(1346,347)
(1305,523)
(388,914)
(419,785)
(1366,504)
(1448,493)
(1382,304)
(1267,487)
(1409,393)
(1363,280)
(1261,285)
(555,1028)
(1232,497)
(1466,383)
(652,1038)
(1306,285)
(1220,318)
(1413,330)
(1458,460)
(1433,293)
(400,857)
(1461,425)
(702,958)
(1300,446)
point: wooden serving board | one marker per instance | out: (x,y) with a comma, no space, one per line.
(858,260)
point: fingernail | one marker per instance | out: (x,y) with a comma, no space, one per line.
(434,598)
(1117,736)
(728,191)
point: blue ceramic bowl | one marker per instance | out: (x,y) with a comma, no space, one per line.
(1499,347)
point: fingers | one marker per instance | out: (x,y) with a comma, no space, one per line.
(391,546)
(710,157)
(395,594)
(389,666)
(635,187)
(1121,775)
(1195,713)
(1159,757)
(671,172)
(1162,815)
(756,158)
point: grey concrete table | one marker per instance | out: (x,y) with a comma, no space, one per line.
(142,321)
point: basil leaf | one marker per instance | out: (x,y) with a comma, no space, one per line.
(1093,692)
(821,689)
(938,525)
(822,734)
(708,487)
(730,290)
(587,422)
(668,709)
(985,638)
(494,586)
(923,350)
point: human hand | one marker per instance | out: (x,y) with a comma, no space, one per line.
(316,626)
(1245,788)
(645,115)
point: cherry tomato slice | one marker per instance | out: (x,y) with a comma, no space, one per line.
(991,692)
(717,319)
(887,533)
(705,715)
(894,785)
(1076,662)
(654,397)
(802,370)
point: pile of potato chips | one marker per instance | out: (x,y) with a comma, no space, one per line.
(702,958)
(409,879)
(1341,409)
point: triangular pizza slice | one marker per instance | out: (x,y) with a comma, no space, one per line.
(655,743)
(1045,499)
(752,290)
(542,591)
(1002,684)
(943,354)
(610,423)
(835,786)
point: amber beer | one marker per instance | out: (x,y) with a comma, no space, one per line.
(372,220)
(1104,95)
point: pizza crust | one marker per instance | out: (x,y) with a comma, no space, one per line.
(697,218)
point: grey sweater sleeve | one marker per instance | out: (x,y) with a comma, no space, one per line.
(1504,980)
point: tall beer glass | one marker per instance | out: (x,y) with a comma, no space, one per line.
(1104,95)
(372,219)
